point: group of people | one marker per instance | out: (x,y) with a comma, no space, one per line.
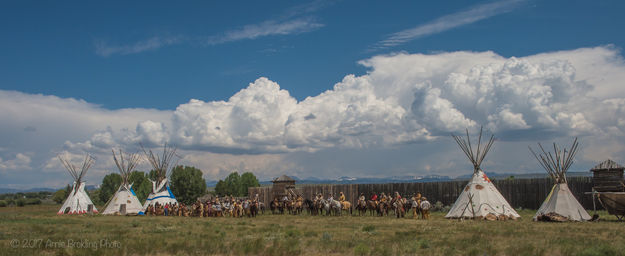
(238,207)
(216,207)
(419,205)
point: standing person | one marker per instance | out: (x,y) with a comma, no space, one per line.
(425,208)
(416,201)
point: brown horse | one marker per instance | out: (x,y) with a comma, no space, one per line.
(346,206)
(383,209)
(372,207)
(361,206)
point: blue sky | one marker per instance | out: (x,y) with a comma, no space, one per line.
(51,48)
(307,88)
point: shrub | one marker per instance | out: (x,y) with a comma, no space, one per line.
(20,202)
(3,203)
(33,201)
(362,249)
(368,228)
(438,206)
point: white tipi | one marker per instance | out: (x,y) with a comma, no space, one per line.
(77,202)
(480,198)
(125,201)
(161,193)
(560,204)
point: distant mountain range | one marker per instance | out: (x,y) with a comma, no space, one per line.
(401,179)
(354,180)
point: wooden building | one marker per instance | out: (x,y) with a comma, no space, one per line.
(608,177)
(281,186)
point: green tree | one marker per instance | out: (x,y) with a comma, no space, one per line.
(95,197)
(236,185)
(140,185)
(233,182)
(220,188)
(187,183)
(60,195)
(248,179)
(110,184)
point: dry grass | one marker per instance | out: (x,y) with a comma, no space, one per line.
(309,235)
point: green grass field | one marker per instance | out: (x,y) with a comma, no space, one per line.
(38,230)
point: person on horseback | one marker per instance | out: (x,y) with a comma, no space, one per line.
(318,197)
(341,197)
(330,197)
(383,198)
(425,208)
(299,199)
(361,198)
(374,198)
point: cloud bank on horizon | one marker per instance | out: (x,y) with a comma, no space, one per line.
(404,99)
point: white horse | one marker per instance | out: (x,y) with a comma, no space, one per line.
(335,206)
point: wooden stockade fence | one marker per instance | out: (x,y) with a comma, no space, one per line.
(525,193)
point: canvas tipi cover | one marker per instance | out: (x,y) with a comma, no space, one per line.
(125,201)
(480,198)
(560,204)
(77,202)
(161,193)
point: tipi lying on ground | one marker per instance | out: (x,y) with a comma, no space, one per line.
(77,202)
(161,193)
(560,204)
(480,199)
(125,201)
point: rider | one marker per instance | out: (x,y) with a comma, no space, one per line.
(397,196)
(374,198)
(330,197)
(383,198)
(361,198)
(318,197)
(300,198)
(341,197)
(285,198)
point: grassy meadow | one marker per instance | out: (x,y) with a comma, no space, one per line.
(38,230)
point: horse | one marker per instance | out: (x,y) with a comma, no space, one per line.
(247,208)
(382,209)
(310,206)
(398,206)
(261,207)
(372,206)
(335,206)
(346,206)
(319,206)
(298,207)
(275,206)
(361,206)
